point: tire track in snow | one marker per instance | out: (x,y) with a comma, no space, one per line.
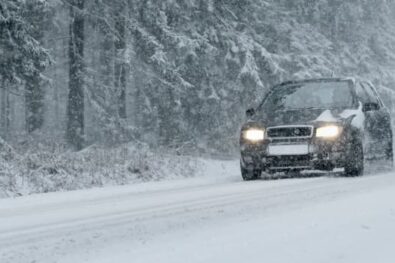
(203,200)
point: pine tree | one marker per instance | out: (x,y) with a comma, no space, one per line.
(34,90)
(23,58)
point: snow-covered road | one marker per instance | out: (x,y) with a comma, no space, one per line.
(214,218)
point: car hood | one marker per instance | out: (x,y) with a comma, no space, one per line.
(308,117)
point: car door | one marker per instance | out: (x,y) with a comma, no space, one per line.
(378,122)
(369,118)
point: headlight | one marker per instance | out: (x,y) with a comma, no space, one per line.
(254,135)
(328,131)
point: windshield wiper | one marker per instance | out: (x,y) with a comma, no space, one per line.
(304,108)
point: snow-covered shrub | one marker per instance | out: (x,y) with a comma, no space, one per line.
(52,170)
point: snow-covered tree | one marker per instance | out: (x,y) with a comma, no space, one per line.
(23,59)
(179,73)
(75,102)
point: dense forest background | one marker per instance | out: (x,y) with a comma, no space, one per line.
(176,74)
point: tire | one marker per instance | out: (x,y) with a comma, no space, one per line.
(250,175)
(355,161)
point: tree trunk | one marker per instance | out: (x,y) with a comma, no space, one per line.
(34,96)
(75,106)
(34,92)
(120,63)
(8,112)
(5,110)
(56,101)
(3,119)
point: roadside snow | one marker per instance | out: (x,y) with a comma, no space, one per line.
(43,170)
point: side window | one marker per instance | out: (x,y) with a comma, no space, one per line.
(372,95)
(361,93)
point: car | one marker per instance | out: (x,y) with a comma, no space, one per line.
(316,124)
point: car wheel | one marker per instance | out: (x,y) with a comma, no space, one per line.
(355,160)
(249,175)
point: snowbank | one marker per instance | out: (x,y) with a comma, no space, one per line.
(45,171)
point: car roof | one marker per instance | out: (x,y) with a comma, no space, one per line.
(353,80)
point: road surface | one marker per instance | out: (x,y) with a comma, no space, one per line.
(209,219)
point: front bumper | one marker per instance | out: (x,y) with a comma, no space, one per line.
(321,155)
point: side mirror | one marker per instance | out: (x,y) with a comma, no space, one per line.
(370,106)
(250,112)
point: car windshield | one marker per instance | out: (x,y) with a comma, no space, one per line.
(322,95)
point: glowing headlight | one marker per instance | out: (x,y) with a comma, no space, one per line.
(328,132)
(254,135)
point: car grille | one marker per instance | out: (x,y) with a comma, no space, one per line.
(289,161)
(278,162)
(285,132)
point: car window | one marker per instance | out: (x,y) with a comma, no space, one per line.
(361,93)
(372,95)
(327,95)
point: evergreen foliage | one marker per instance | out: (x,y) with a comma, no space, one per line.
(178,73)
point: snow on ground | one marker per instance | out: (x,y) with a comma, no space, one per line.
(211,218)
(43,169)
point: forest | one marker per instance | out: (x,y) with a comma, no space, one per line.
(169,75)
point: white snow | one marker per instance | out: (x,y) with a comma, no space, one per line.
(212,218)
(359,119)
(42,170)
(327,116)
